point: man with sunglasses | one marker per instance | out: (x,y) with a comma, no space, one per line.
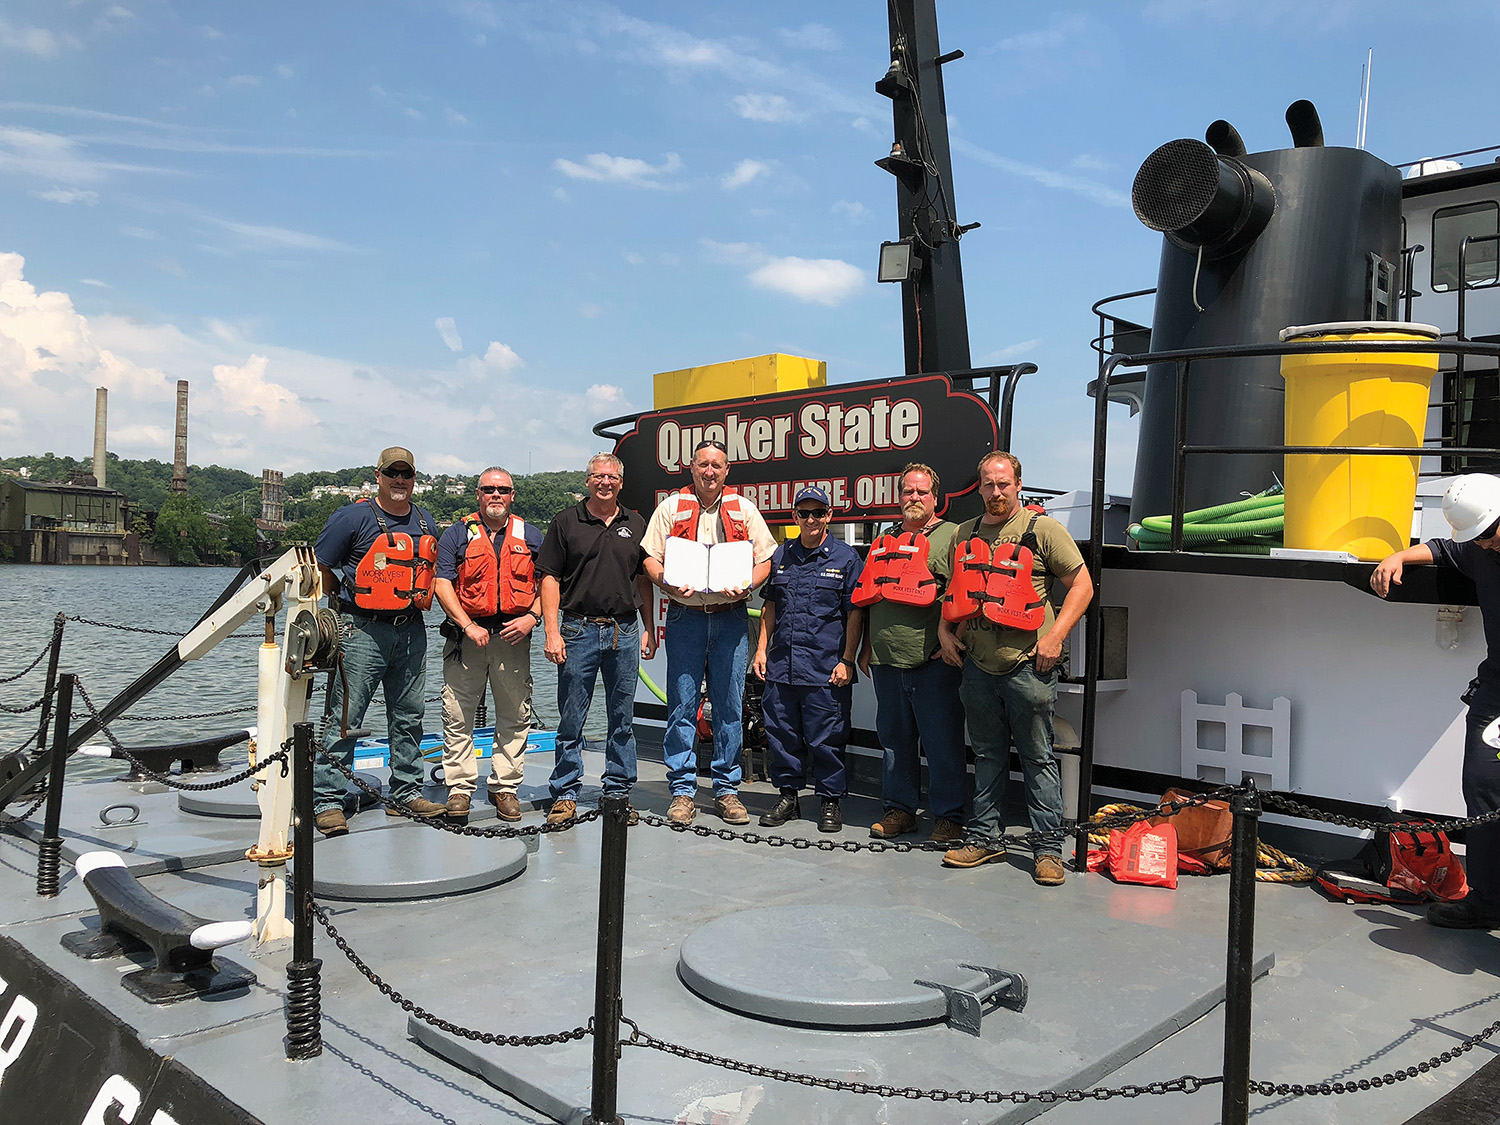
(487,585)
(809,637)
(372,556)
(707,633)
(1472,508)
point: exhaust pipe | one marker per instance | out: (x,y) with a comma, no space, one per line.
(1225,139)
(1202,200)
(1302,120)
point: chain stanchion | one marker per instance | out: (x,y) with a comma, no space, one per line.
(1244,849)
(54,651)
(304,1023)
(49,852)
(607,964)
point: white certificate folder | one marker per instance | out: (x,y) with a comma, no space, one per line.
(716,567)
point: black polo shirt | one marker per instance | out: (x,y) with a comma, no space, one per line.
(595,565)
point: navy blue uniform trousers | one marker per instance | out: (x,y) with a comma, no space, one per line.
(803,722)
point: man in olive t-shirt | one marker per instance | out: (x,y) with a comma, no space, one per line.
(916,691)
(1009,684)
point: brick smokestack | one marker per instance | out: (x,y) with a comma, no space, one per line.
(179,454)
(101,416)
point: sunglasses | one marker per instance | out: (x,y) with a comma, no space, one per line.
(496,489)
(711,444)
(604,476)
(399,474)
(812,513)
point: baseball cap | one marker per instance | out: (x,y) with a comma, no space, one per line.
(811,492)
(395,455)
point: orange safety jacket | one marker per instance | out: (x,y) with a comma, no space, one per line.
(396,574)
(896,570)
(733,519)
(489,584)
(995,584)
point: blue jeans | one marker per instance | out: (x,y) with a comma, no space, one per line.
(377,654)
(593,649)
(921,703)
(715,646)
(1016,707)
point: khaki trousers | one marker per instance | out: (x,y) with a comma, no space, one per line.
(506,668)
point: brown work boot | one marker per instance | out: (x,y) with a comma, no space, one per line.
(419,807)
(681,810)
(731,809)
(507,806)
(458,807)
(1049,871)
(947,831)
(331,822)
(972,855)
(895,822)
(562,811)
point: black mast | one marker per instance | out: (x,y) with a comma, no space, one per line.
(935,324)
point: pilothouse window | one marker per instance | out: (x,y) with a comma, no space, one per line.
(1450,227)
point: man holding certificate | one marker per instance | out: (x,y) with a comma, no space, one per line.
(707,548)
(809,638)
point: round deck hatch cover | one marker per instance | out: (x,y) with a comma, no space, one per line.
(832,966)
(399,863)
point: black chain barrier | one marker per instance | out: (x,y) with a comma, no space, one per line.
(156,632)
(283,756)
(1307,812)
(242,710)
(32,706)
(415,1009)
(457,829)
(1187,1084)
(1390,1078)
(39,657)
(9,821)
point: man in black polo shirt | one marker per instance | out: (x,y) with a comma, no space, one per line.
(592,589)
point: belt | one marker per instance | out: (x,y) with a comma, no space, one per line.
(721,607)
(624,619)
(398,621)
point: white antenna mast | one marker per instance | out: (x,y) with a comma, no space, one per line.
(1364,100)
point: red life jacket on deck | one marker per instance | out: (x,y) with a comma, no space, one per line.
(488,585)
(995,584)
(734,520)
(395,574)
(896,570)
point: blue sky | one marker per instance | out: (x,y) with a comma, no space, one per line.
(475,227)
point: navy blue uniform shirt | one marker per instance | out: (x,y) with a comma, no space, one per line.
(1484,568)
(810,590)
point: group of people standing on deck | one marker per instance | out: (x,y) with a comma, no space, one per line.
(949,621)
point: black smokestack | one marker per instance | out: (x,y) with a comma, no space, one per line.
(1224,138)
(1302,120)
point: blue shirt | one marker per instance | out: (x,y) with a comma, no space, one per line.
(810,589)
(454,545)
(351,531)
(1483,567)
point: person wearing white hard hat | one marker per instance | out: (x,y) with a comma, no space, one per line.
(1472,508)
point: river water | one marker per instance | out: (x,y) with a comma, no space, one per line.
(173,598)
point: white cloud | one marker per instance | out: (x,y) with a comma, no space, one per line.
(590,310)
(602,167)
(633,258)
(1090,163)
(254,236)
(1099,193)
(853,210)
(453,117)
(823,281)
(1060,31)
(242,81)
(764,107)
(55,158)
(246,390)
(561,194)
(811,37)
(501,358)
(68,195)
(746,171)
(449,332)
(1011,351)
(34,40)
(93,281)
(604,396)
(284,71)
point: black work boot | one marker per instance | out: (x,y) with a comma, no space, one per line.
(784,810)
(832,820)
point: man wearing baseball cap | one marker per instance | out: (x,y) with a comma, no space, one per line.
(377,558)
(809,638)
(1472,508)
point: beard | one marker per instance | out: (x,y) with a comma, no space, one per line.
(913,510)
(995,506)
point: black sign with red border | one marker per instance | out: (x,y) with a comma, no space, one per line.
(853,439)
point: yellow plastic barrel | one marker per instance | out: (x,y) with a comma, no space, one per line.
(1339,502)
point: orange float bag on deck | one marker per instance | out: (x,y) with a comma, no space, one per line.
(1144,853)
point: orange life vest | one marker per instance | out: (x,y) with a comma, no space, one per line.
(996,584)
(896,569)
(488,584)
(734,520)
(395,574)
